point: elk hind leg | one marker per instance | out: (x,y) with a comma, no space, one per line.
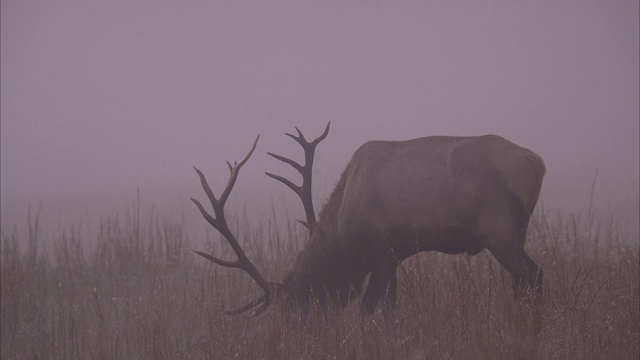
(534,275)
(526,274)
(502,230)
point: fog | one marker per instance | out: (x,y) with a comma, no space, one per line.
(102,99)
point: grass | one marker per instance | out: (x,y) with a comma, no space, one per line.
(138,293)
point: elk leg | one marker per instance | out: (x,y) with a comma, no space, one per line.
(503,230)
(535,274)
(389,301)
(526,274)
(531,282)
(383,285)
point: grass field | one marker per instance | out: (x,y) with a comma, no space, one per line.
(139,293)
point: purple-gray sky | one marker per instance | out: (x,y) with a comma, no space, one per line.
(100,98)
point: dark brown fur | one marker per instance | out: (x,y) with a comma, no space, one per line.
(395,199)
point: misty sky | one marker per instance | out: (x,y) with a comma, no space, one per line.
(101,98)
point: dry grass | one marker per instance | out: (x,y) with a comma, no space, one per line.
(140,294)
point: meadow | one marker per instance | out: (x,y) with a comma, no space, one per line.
(135,291)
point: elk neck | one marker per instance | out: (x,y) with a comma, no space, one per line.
(327,270)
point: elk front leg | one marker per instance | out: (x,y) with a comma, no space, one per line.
(383,285)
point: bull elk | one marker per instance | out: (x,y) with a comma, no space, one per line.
(395,199)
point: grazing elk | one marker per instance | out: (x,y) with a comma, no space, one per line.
(394,199)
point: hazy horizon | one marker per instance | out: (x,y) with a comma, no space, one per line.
(101,99)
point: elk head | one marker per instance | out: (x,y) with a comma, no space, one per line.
(219,222)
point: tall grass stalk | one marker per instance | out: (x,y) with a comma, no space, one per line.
(140,294)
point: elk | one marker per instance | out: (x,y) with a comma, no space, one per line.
(394,199)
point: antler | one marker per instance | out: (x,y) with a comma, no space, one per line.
(304,190)
(220,224)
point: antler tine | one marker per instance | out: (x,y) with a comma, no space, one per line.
(235,169)
(231,264)
(219,223)
(294,164)
(304,190)
(300,138)
(297,189)
(324,134)
(257,302)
